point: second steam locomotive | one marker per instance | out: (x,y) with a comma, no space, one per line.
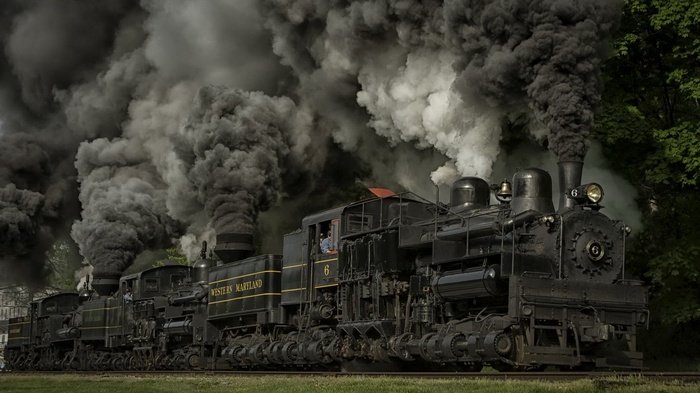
(515,285)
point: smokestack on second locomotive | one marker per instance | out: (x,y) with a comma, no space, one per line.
(105,284)
(234,246)
(569,177)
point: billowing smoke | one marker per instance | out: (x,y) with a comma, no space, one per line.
(238,146)
(32,194)
(123,202)
(443,75)
(544,53)
(47,46)
(19,221)
(54,44)
(178,119)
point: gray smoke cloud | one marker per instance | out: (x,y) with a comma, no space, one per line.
(546,54)
(123,202)
(160,121)
(444,74)
(46,32)
(32,194)
(38,147)
(348,58)
(19,211)
(131,77)
(238,147)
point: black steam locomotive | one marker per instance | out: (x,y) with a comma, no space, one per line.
(410,284)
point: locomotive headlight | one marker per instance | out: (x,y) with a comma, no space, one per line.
(594,192)
(591,192)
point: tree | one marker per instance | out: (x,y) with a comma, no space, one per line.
(173,254)
(63,262)
(649,123)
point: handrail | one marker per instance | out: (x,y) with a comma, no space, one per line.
(624,249)
(561,245)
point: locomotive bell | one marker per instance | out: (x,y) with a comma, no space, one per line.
(505,191)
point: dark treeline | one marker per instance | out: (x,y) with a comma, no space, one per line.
(649,125)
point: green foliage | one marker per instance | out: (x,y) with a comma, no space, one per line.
(667,254)
(679,16)
(62,262)
(671,346)
(173,254)
(675,275)
(681,151)
(649,125)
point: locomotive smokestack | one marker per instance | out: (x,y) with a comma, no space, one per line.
(232,247)
(569,177)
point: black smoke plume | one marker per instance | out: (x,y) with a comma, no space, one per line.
(239,147)
(21,233)
(544,53)
(33,200)
(47,46)
(445,74)
(96,98)
(124,209)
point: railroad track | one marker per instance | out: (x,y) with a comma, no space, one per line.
(687,377)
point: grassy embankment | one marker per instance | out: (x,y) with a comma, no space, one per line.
(12,383)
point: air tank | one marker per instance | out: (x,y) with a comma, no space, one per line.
(469,193)
(532,190)
(471,283)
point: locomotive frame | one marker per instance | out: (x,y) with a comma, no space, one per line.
(410,284)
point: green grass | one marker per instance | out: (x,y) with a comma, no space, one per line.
(11,383)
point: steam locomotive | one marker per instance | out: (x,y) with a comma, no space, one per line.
(410,284)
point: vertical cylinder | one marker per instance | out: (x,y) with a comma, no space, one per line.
(232,247)
(105,284)
(569,177)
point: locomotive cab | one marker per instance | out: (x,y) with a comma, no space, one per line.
(307,271)
(157,281)
(54,326)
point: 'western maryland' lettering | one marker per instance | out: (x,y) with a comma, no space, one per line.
(238,287)
(248,285)
(218,291)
